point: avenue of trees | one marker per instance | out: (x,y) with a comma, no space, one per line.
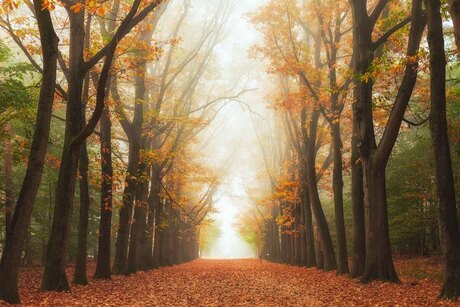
(106,107)
(361,150)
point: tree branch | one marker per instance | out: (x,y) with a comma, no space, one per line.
(390,32)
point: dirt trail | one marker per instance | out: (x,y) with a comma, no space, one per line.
(232,283)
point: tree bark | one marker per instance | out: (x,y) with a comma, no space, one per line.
(337,186)
(357,199)
(334,117)
(9,187)
(285,244)
(379,264)
(80,276)
(319,254)
(54,278)
(323,229)
(120,265)
(448,222)
(297,236)
(176,244)
(157,235)
(309,233)
(105,224)
(166,248)
(275,252)
(143,195)
(138,224)
(303,236)
(178,249)
(140,208)
(454,10)
(103,270)
(154,200)
(133,131)
(11,257)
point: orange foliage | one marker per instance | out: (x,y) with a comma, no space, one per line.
(234,283)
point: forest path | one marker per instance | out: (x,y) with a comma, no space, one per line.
(231,283)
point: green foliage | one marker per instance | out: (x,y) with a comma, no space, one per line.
(209,234)
(5,52)
(249,237)
(250,232)
(411,194)
(17,98)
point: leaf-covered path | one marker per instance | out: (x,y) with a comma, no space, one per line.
(232,283)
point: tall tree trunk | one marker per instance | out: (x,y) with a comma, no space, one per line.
(365,142)
(323,229)
(275,253)
(178,250)
(454,9)
(175,243)
(357,202)
(103,258)
(54,278)
(120,265)
(138,224)
(9,188)
(287,248)
(319,254)
(105,224)
(154,200)
(166,249)
(309,233)
(285,238)
(80,276)
(143,194)
(337,185)
(379,264)
(448,222)
(157,235)
(303,236)
(11,257)
(134,132)
(298,235)
(196,246)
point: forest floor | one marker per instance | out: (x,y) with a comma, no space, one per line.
(242,282)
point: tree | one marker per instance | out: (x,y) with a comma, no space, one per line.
(454,10)
(80,276)
(298,55)
(16,99)
(374,158)
(103,270)
(448,222)
(11,256)
(54,278)
(331,34)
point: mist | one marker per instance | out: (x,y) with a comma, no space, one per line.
(230,139)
